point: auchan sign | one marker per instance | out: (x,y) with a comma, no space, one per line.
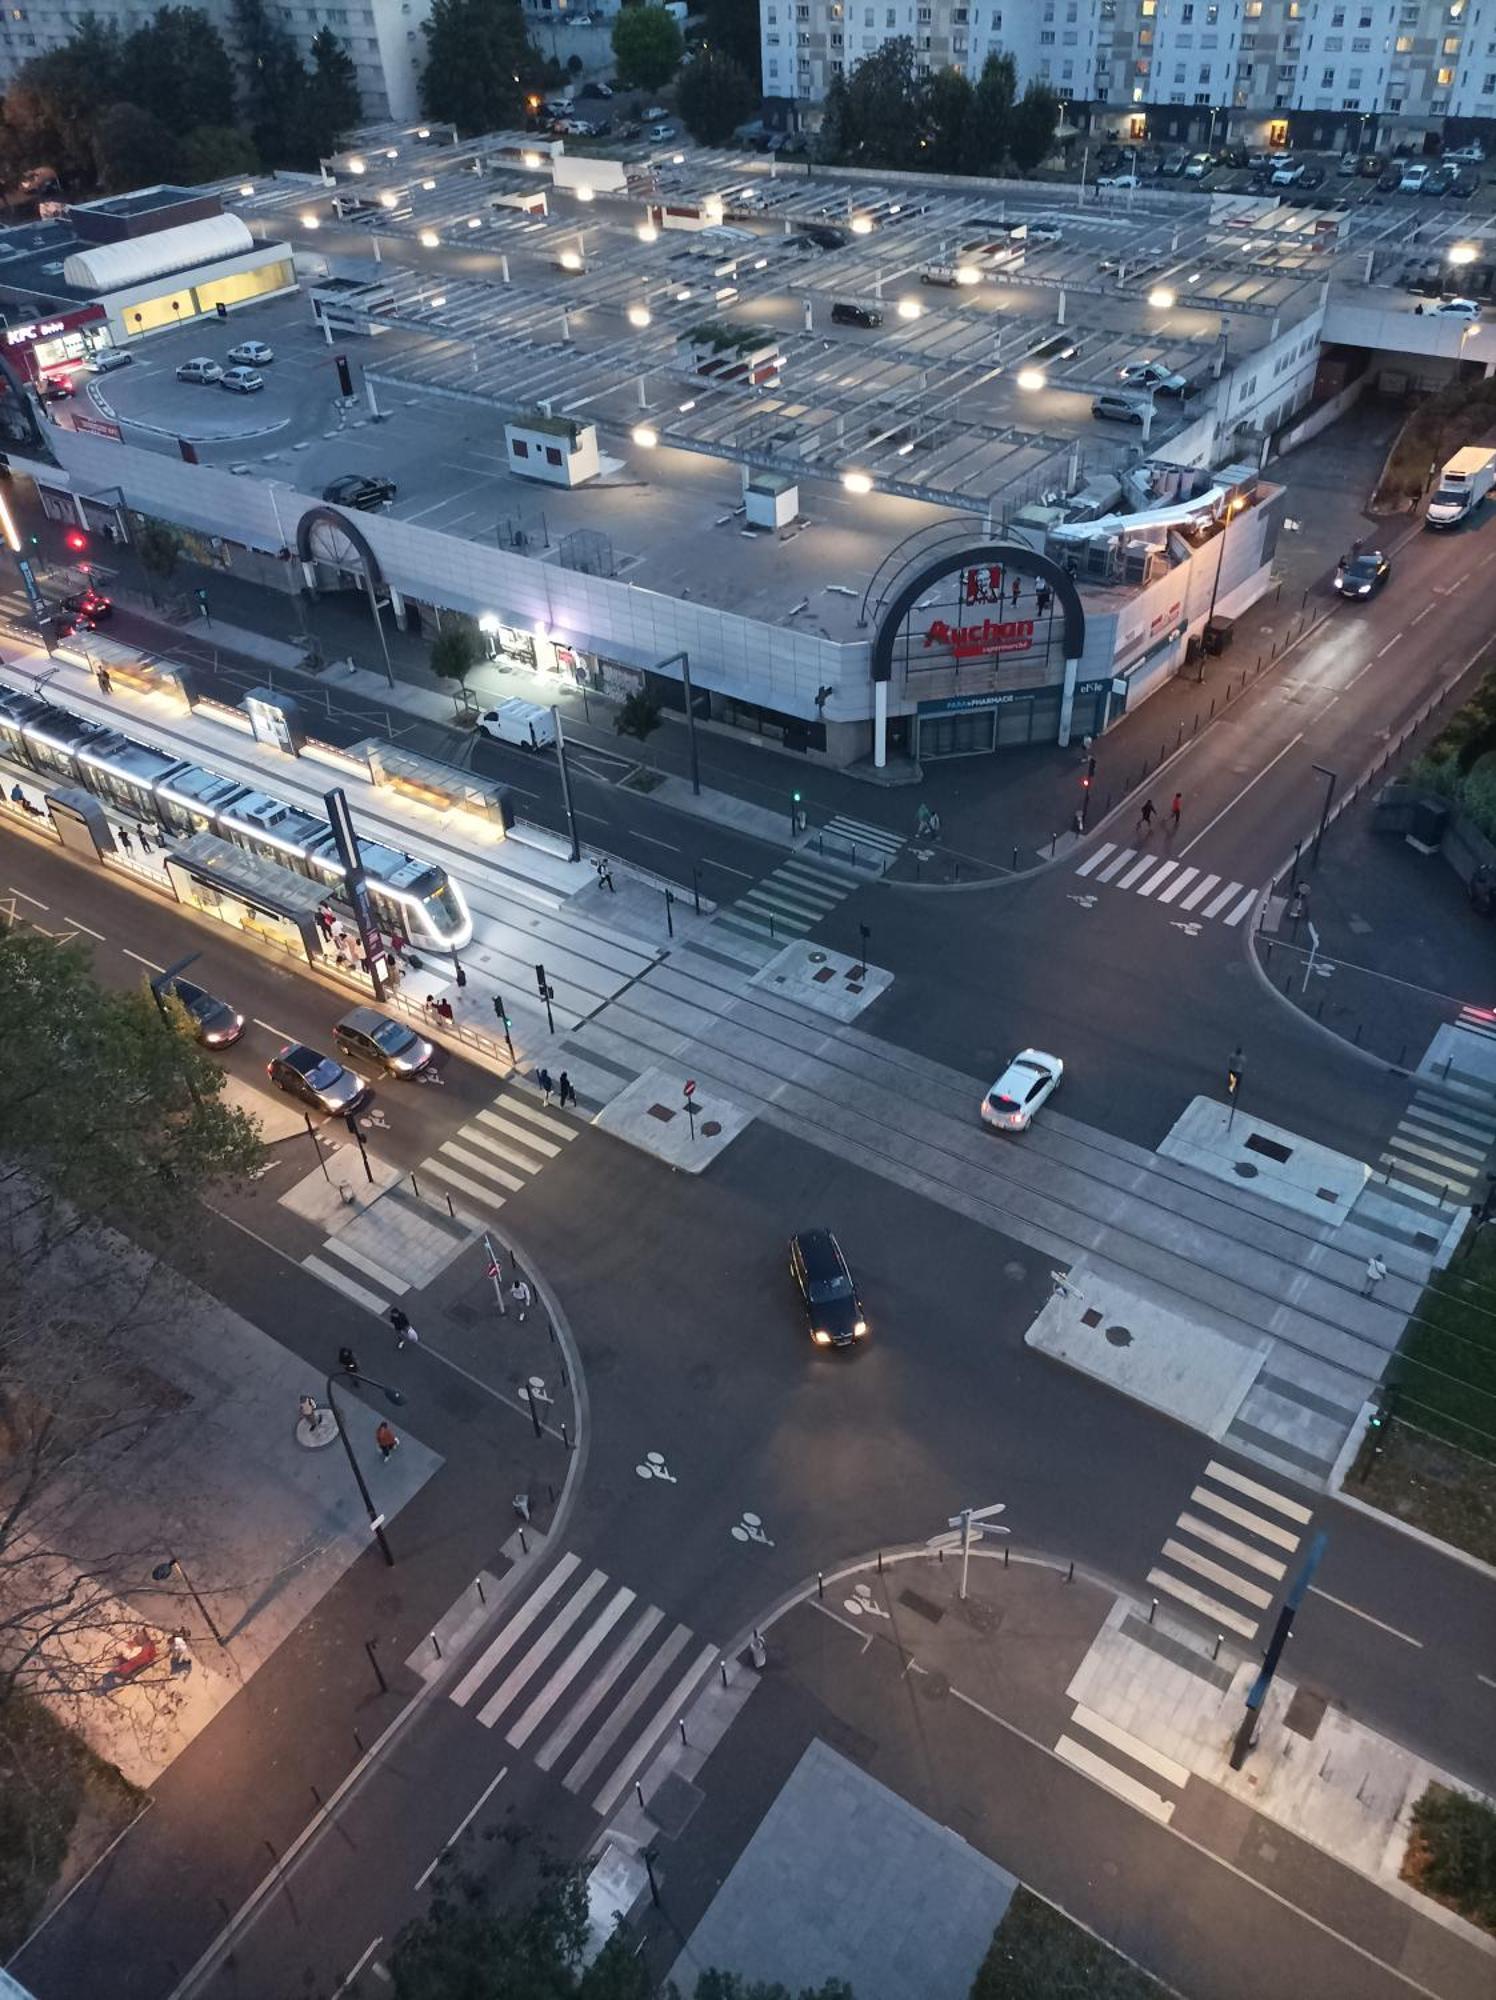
(975,642)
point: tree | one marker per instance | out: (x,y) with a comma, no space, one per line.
(948,102)
(331,101)
(478,61)
(272,88)
(1031,132)
(157,546)
(55,99)
(985,130)
(648,46)
(714,98)
(132,149)
(177,68)
(465,1949)
(456,649)
(875,118)
(715,1985)
(638,714)
(732,29)
(216,153)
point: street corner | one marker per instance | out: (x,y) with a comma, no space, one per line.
(827,981)
(1187,1370)
(685,1124)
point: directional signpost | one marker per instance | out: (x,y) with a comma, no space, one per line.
(979,1518)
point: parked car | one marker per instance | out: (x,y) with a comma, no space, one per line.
(1441,182)
(1390,181)
(596,90)
(1414,174)
(1362,573)
(1372,166)
(1030,1079)
(1153,375)
(654,111)
(200,369)
(827,1291)
(1118,181)
(252,354)
(1464,185)
(243,381)
(1311,177)
(1234,156)
(54,388)
(365,490)
(378,1042)
(1350,163)
(1451,309)
(1108,159)
(214,1022)
(1118,409)
(1174,162)
(1472,153)
(846,312)
(1198,166)
(1263,162)
(316,1080)
(822,235)
(106,359)
(659,135)
(1288,173)
(1042,232)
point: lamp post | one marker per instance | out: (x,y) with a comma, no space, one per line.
(163,1573)
(392,1396)
(1332,778)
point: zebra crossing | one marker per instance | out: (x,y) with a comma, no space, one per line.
(497,1153)
(586,1678)
(1438,1149)
(1099,1763)
(804,889)
(1211,897)
(1230,1549)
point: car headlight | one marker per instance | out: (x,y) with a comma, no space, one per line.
(1363,590)
(821,1339)
(859,1330)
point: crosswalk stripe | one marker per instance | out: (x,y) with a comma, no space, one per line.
(514,1630)
(1138,868)
(541,1649)
(1226,1475)
(1156,881)
(1467,1125)
(1451,1183)
(1122,1783)
(1107,847)
(486,1143)
(335,1247)
(1267,1531)
(1181,881)
(806,869)
(1222,1614)
(1231,1546)
(443,1172)
(1115,867)
(1106,1731)
(570,1667)
(661,1720)
(792,902)
(817,894)
(1218,903)
(1217,1573)
(1406,1189)
(626,1710)
(556,1743)
(331,1276)
(1197,895)
(870,836)
(536,1148)
(754,910)
(480,1165)
(1465,1163)
(516,1107)
(1242,907)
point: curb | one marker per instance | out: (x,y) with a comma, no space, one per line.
(1335,1486)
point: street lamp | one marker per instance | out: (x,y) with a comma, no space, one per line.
(1332,778)
(163,1573)
(391,1396)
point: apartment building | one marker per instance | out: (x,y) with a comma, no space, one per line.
(385,38)
(1348,73)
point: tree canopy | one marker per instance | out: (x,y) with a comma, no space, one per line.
(876,116)
(478,61)
(648,45)
(456,649)
(732,29)
(715,96)
(331,102)
(1032,129)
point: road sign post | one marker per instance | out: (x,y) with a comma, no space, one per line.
(547,993)
(691,1106)
(965,1520)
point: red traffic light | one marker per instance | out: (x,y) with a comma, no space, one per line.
(76,540)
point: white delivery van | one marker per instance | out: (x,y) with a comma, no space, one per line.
(523,722)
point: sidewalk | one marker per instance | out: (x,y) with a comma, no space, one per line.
(1082,1750)
(991,809)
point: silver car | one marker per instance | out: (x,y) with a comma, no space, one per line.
(201,368)
(243,381)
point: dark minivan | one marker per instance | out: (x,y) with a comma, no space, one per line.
(373,1039)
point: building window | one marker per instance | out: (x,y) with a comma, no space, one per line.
(1444,78)
(521,449)
(1327,79)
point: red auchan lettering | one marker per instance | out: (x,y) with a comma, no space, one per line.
(970,642)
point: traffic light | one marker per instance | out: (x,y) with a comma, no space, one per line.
(540,985)
(345,375)
(498,1008)
(76,540)
(202,600)
(1233,1073)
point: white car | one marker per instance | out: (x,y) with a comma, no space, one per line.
(243,381)
(200,369)
(1198,166)
(106,359)
(1118,181)
(252,354)
(1451,309)
(1153,375)
(1471,155)
(1288,173)
(1029,1079)
(1035,232)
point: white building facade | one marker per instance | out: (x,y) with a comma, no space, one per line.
(1336,73)
(385,38)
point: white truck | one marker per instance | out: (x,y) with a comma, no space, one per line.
(523,722)
(1463,484)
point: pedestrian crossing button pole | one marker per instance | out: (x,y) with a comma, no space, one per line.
(502,1014)
(1234,1069)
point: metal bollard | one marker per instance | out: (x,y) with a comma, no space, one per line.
(1152,1608)
(820,1584)
(1070,1573)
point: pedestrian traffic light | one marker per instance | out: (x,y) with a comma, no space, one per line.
(1088,774)
(345,375)
(202,600)
(1233,1075)
(498,1008)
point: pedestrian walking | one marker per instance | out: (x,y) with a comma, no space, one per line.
(605,877)
(106,685)
(922,820)
(522,1296)
(564,1092)
(1017,586)
(545,1083)
(124,840)
(143,835)
(1043,598)
(1376,1270)
(934,827)
(348,1361)
(404,1331)
(444,1010)
(385,1438)
(181,1657)
(1176,807)
(1147,816)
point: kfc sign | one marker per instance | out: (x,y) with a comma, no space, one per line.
(974,642)
(982,586)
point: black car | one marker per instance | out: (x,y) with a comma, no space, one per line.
(832,1306)
(316,1079)
(374,1040)
(846,313)
(1312,177)
(1108,160)
(214,1022)
(823,236)
(1390,182)
(1234,156)
(366,490)
(1362,573)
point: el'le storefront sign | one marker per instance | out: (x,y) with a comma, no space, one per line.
(983,585)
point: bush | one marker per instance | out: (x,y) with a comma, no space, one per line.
(1037,1953)
(638,715)
(1455,766)
(1453,1853)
